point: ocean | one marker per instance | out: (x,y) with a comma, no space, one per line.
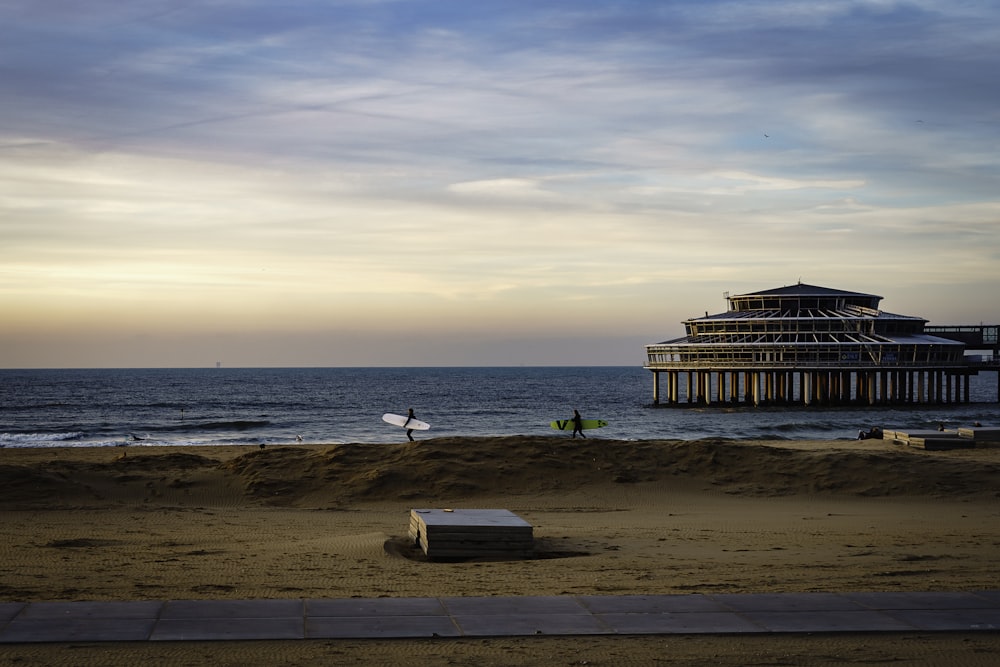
(279,406)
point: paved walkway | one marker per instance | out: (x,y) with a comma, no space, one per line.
(366,618)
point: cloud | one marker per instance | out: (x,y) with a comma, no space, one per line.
(515,188)
(507,165)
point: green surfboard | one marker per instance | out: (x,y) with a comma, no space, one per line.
(567,424)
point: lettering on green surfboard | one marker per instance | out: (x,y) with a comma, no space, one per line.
(567,424)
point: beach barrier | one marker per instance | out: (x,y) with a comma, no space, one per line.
(471,533)
(983,434)
(963,438)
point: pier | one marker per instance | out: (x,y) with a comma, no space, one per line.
(812,345)
(709,386)
(975,336)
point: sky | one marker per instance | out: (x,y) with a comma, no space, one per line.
(456,183)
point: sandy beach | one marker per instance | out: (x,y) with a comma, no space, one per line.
(609,517)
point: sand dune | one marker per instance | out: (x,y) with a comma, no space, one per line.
(467,468)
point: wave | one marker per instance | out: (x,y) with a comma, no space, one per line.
(144,434)
(36,439)
(40,439)
(29,407)
(235,425)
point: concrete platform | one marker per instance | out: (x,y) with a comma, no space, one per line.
(930,440)
(470,533)
(222,620)
(988,435)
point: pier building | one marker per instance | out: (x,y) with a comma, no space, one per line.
(809,345)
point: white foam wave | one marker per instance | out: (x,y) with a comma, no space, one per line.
(37,439)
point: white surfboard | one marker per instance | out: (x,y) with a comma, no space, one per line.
(400,420)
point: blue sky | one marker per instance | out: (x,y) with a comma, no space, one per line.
(382,182)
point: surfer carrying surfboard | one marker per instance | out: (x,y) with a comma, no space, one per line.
(408,421)
(409,431)
(578,424)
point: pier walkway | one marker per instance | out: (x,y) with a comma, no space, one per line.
(379,618)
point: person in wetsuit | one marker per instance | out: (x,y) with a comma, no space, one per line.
(409,431)
(578,424)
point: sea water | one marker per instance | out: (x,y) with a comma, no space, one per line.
(239,406)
